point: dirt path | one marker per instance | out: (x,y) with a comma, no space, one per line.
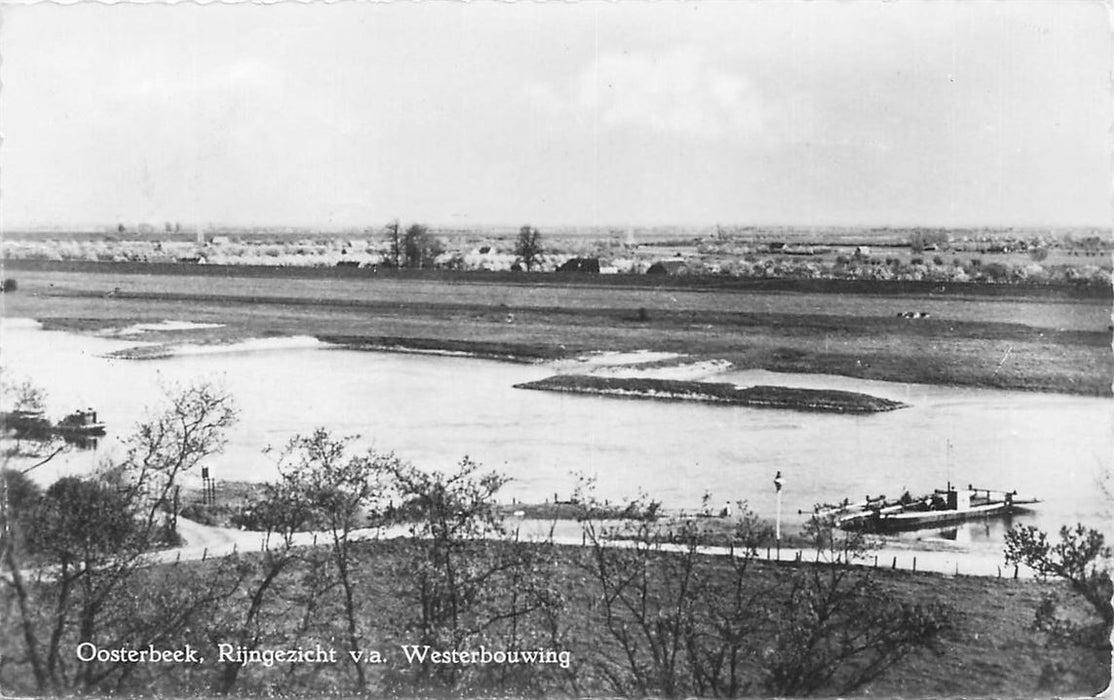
(204,541)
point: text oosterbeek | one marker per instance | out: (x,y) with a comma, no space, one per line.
(87,651)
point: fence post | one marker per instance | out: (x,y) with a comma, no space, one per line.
(914,563)
(894,566)
(1015,571)
(204,554)
(875,561)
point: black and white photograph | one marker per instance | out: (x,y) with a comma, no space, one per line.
(444,349)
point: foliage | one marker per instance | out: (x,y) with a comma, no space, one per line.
(281,511)
(464,557)
(420,247)
(82,522)
(681,626)
(834,627)
(92,538)
(321,482)
(1080,558)
(528,246)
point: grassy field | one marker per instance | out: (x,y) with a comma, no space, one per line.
(988,648)
(1018,338)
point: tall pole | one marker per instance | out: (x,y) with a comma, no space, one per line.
(777,527)
(778,482)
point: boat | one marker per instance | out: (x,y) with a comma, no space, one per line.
(941,507)
(81,423)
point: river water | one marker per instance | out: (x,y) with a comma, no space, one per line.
(433,410)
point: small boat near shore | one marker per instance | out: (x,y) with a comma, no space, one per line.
(81,423)
(78,427)
(940,508)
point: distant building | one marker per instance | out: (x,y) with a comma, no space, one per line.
(591,265)
(668,267)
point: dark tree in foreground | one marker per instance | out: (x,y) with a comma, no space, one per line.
(835,628)
(281,512)
(528,246)
(342,493)
(470,585)
(22,450)
(679,624)
(1081,559)
(91,545)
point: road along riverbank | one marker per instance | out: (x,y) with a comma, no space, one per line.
(204,541)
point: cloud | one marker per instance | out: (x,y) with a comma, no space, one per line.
(680,92)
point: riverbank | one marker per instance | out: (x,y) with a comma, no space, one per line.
(215,528)
(826,401)
(988,647)
(1023,341)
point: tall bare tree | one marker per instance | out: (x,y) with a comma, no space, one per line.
(528,246)
(343,492)
(394,240)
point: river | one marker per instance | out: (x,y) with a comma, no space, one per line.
(432,410)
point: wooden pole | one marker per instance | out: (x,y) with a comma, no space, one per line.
(777,526)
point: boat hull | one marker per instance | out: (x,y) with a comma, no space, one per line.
(917,520)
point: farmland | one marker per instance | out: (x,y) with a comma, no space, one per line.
(1043,338)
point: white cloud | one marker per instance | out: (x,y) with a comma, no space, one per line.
(680,92)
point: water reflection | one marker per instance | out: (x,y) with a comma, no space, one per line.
(81,442)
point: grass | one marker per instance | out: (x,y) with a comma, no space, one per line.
(761,396)
(989,648)
(1038,339)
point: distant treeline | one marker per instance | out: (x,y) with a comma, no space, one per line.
(713,282)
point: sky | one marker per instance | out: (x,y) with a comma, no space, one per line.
(555,113)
